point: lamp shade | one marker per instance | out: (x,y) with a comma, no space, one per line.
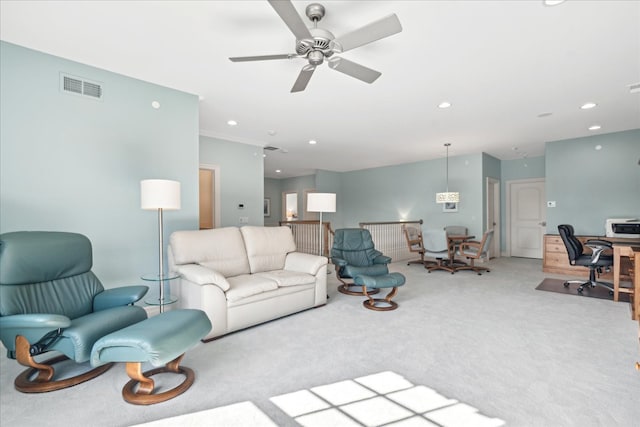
(321,202)
(159,194)
(448,197)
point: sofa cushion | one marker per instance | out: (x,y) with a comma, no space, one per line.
(267,247)
(288,278)
(246,285)
(220,249)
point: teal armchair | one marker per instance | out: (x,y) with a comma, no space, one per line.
(50,300)
(354,253)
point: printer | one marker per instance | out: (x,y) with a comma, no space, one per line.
(623,227)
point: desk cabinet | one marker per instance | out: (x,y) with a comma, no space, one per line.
(556,260)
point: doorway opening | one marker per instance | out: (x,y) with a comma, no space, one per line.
(208,196)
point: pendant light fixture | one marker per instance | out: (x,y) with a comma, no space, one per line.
(447,197)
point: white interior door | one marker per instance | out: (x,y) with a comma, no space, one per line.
(527,217)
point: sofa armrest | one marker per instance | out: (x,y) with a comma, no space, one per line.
(304,263)
(117,297)
(203,276)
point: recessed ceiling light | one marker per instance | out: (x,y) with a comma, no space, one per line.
(232,123)
(313,142)
(552,2)
(595,127)
(588,105)
(271,132)
(598,147)
(278,171)
(444,104)
(155,104)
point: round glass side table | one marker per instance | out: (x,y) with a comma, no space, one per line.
(160,298)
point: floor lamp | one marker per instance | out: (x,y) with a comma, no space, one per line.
(160,194)
(321,202)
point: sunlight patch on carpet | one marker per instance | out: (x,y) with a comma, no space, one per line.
(241,414)
(385,398)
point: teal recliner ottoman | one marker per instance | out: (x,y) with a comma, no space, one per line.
(162,341)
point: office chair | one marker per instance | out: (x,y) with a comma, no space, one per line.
(596,260)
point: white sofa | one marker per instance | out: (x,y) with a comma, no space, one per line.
(244,276)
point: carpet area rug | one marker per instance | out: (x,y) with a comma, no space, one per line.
(382,399)
(557,285)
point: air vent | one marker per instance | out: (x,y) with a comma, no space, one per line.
(634,88)
(270,148)
(80,86)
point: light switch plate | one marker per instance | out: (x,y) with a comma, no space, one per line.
(551,204)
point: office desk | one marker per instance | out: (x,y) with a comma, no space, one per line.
(626,258)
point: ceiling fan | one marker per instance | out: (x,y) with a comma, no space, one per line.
(317,44)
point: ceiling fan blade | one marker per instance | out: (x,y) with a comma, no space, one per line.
(262,57)
(376,30)
(303,78)
(290,16)
(352,69)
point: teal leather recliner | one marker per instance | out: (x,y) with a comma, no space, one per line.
(51,301)
(354,254)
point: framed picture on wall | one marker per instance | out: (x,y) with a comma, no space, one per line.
(450,207)
(267,207)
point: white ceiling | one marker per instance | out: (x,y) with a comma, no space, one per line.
(499,63)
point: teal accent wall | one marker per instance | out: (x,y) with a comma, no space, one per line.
(69,163)
(592,185)
(241,179)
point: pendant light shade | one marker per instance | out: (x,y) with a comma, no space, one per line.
(447,197)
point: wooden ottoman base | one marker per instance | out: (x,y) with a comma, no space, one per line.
(144,393)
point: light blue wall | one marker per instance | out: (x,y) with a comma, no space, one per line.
(273,191)
(69,163)
(407,192)
(241,179)
(592,185)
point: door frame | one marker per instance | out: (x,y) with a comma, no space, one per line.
(216,191)
(495,206)
(508,205)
